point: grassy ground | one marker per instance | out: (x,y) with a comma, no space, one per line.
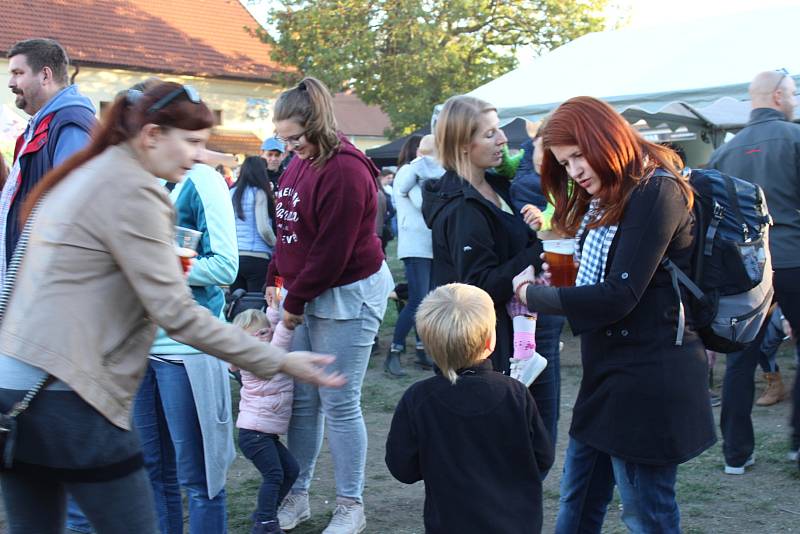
(765,500)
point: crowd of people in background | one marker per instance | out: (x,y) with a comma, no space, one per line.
(127,369)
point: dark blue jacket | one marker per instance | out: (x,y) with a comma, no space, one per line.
(767,153)
(527,185)
(58,130)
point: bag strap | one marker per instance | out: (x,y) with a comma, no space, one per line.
(716,218)
(733,198)
(678,278)
(22,405)
(5,297)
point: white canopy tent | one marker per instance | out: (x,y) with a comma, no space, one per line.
(694,74)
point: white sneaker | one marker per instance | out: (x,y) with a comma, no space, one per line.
(347,519)
(729,470)
(294,510)
(792,455)
(526,371)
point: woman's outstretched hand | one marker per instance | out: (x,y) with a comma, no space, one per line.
(310,367)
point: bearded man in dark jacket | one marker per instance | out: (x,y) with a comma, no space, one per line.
(766,152)
(60,125)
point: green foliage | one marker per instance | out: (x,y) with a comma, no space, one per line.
(409,55)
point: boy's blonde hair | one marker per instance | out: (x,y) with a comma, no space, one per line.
(251,320)
(455,322)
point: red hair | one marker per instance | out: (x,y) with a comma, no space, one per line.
(619,156)
(121,123)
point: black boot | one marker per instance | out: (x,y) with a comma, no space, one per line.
(392,364)
(423,360)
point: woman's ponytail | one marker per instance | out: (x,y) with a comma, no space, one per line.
(310,104)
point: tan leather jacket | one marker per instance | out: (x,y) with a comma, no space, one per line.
(99,274)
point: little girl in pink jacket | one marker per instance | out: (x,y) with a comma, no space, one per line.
(264,412)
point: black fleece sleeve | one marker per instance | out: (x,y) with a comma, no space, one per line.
(402,447)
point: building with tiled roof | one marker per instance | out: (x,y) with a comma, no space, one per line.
(363,124)
(205,38)
(206,43)
(117,43)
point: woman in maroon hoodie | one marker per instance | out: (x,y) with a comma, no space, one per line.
(336,284)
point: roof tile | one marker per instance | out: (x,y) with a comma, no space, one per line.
(234,142)
(195,37)
(354,117)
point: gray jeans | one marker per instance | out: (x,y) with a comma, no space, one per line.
(350,340)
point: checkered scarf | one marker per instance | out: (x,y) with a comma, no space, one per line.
(594,254)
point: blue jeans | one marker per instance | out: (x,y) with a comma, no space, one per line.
(166,418)
(76,519)
(546,390)
(418,276)
(587,485)
(350,341)
(119,506)
(277,466)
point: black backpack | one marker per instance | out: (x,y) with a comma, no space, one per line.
(240,300)
(731,279)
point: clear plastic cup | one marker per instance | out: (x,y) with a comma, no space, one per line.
(558,253)
(186,242)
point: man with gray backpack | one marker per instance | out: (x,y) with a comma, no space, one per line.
(766,153)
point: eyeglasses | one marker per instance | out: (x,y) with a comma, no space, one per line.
(784,75)
(293,140)
(164,101)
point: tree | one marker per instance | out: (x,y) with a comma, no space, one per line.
(409,55)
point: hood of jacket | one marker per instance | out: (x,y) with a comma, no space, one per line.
(441,195)
(349,149)
(67,97)
(427,168)
(444,194)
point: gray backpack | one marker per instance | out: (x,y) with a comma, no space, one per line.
(731,279)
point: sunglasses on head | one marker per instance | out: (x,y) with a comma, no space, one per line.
(164,101)
(784,74)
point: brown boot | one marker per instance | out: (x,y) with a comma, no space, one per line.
(774,392)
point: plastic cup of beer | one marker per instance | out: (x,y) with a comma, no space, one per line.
(186,241)
(558,253)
